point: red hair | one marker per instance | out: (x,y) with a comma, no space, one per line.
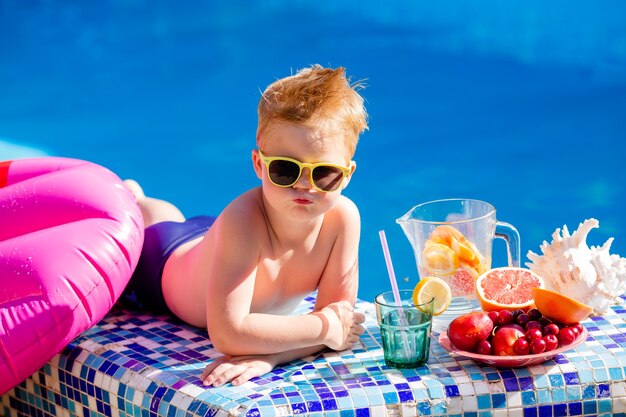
(315,96)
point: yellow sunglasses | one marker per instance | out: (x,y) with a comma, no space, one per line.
(285,172)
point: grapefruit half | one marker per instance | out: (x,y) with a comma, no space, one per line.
(507,288)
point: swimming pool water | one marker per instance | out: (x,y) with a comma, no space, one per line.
(520,105)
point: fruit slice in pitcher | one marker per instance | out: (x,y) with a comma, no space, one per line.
(463,281)
(444,234)
(463,249)
(439,259)
(465,252)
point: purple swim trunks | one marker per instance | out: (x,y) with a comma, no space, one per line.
(161,239)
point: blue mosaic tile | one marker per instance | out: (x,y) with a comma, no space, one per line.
(483,401)
(526,383)
(498,400)
(544,411)
(391,397)
(362,412)
(511,384)
(585,376)
(452,391)
(492,376)
(575,409)
(556,380)
(589,391)
(530,412)
(424,408)
(590,408)
(571,378)
(529,398)
(559,410)
(574,393)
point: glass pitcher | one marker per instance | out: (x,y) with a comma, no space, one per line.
(452,239)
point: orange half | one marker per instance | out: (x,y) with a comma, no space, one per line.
(439,259)
(463,249)
(443,234)
(560,307)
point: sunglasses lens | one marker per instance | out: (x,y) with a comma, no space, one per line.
(283,172)
(327,178)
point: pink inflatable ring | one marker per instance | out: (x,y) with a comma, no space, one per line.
(70,238)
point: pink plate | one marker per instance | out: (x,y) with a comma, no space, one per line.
(510,361)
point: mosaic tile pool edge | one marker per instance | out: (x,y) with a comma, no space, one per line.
(136,365)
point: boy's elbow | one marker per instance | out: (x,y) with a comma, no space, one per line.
(228,344)
(224,346)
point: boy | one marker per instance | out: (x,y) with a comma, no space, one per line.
(240,275)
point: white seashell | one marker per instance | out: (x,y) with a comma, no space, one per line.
(590,275)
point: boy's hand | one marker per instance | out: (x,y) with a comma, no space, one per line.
(236,369)
(344,325)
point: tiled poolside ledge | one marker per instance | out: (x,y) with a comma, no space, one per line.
(140,365)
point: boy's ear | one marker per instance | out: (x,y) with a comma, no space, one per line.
(346,180)
(257,163)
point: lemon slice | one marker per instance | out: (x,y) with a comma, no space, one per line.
(432,287)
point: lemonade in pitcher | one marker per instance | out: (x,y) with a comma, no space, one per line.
(448,254)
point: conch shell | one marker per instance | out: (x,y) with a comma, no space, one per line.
(590,275)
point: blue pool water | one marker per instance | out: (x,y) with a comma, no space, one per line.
(520,104)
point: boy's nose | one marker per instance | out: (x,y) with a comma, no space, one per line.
(304,181)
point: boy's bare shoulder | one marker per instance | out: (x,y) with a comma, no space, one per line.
(246,207)
(240,219)
(244,216)
(346,207)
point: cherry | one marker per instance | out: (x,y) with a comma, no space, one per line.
(538,346)
(494,316)
(484,348)
(566,336)
(575,330)
(534,314)
(545,321)
(505,317)
(552,342)
(551,329)
(533,325)
(532,334)
(578,326)
(521,346)
(516,313)
(522,319)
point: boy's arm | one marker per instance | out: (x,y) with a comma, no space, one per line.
(335,326)
(234,330)
(340,280)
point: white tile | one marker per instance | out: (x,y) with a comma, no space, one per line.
(514,399)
